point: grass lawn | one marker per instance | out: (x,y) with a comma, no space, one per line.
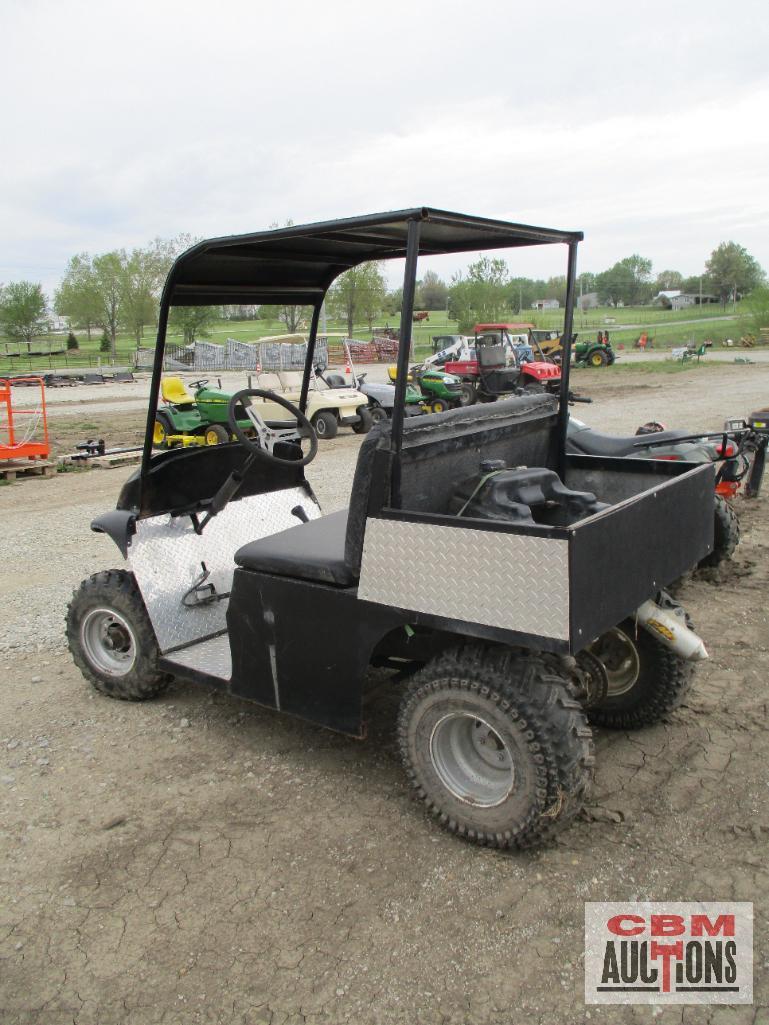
(666,328)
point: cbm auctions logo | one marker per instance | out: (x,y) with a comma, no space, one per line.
(669,953)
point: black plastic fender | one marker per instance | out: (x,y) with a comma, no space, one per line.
(119,524)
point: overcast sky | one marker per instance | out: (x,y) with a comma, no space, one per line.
(645,125)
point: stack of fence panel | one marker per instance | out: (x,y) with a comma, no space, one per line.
(276,356)
(209,356)
(240,355)
(386,349)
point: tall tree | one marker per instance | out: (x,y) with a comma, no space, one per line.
(193,321)
(484,293)
(668,280)
(292,317)
(22,310)
(628,282)
(393,301)
(731,270)
(755,310)
(141,279)
(432,292)
(359,292)
(107,271)
(76,296)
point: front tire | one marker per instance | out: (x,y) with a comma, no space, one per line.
(217,434)
(534,388)
(325,424)
(161,430)
(468,395)
(378,414)
(439,406)
(111,638)
(496,746)
(726,534)
(646,679)
(365,423)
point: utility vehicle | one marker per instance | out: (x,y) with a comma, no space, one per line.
(489,374)
(553,612)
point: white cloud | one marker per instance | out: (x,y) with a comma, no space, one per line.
(125,122)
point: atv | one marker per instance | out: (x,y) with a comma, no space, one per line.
(554,614)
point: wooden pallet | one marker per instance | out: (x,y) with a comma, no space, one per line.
(11,469)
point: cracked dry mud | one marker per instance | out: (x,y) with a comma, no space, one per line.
(198,859)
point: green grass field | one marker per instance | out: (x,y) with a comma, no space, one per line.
(666,328)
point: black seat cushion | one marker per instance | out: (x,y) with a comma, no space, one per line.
(308,551)
(595,443)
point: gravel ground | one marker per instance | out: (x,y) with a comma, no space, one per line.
(198,859)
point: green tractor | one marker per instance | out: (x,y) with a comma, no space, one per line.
(594,352)
(199,419)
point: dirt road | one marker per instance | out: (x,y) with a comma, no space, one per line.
(196,859)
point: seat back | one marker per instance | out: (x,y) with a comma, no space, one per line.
(491,355)
(440,449)
(173,392)
(291,380)
(269,382)
(377,438)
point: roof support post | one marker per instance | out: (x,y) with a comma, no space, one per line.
(404,350)
(568,323)
(310,355)
(157,373)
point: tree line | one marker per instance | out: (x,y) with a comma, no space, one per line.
(120,291)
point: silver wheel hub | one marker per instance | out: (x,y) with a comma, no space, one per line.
(471,759)
(619,657)
(108,642)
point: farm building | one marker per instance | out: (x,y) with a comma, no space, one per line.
(545,304)
(675,299)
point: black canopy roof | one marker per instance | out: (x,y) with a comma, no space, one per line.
(296,265)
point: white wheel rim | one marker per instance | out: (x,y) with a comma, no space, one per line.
(108,642)
(471,759)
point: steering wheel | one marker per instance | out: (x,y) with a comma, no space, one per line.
(266,437)
(199,384)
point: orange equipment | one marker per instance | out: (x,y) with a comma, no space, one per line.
(20,428)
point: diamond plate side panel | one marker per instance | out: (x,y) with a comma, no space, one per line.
(166,553)
(509,581)
(211,656)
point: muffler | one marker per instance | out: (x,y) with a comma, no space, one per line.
(671,630)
